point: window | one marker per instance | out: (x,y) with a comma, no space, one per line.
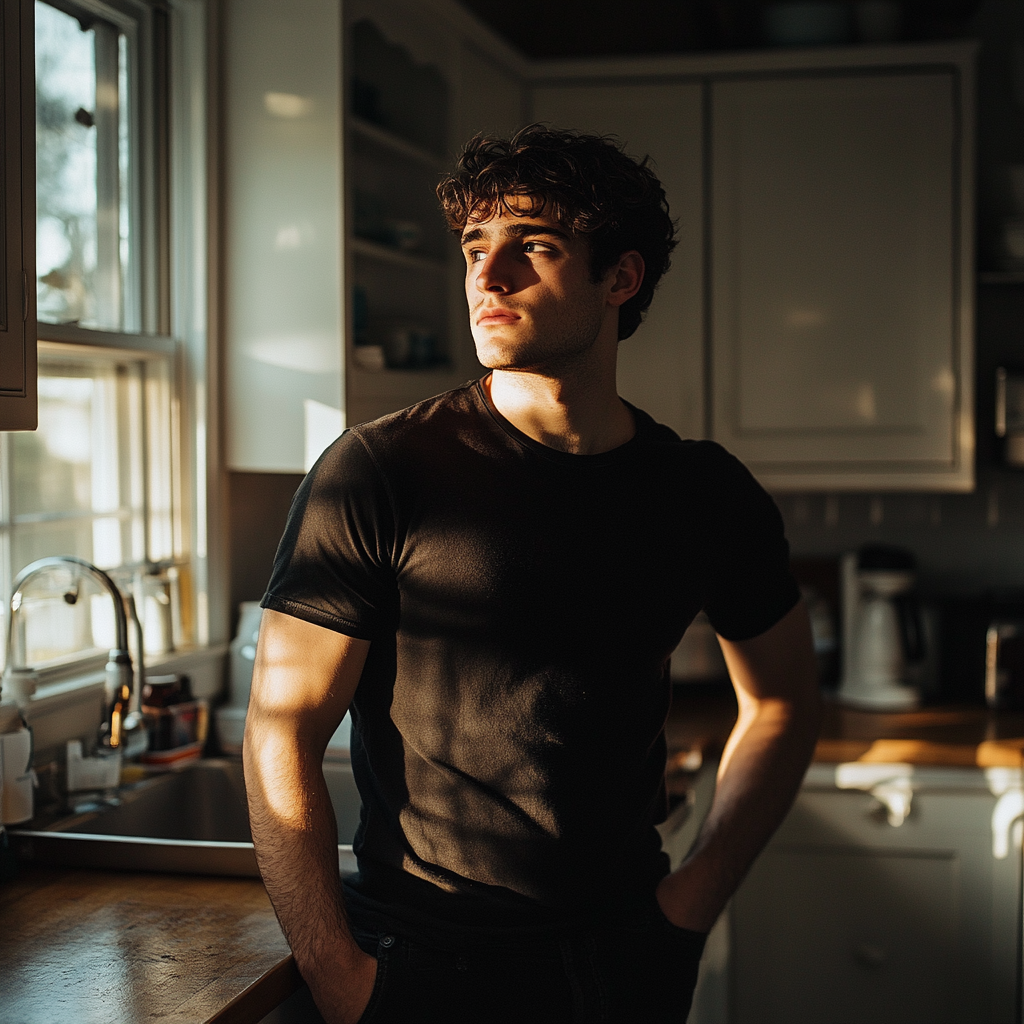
(85,220)
(101,479)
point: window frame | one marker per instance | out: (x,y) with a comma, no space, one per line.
(176,284)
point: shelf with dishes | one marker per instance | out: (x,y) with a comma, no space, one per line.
(397,325)
(372,135)
(375,250)
(404,267)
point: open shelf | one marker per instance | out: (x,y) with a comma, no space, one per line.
(388,140)
(398,257)
(1001,277)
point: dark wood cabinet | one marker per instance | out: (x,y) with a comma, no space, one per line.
(18,404)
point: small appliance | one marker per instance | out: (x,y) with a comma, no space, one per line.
(883,631)
(1004,666)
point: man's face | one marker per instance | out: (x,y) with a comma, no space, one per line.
(532,303)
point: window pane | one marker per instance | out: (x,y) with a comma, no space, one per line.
(71,463)
(79,483)
(82,157)
(95,481)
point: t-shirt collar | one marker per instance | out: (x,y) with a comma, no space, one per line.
(640,418)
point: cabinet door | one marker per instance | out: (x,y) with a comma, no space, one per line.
(841,352)
(18,408)
(283,339)
(661,368)
(847,919)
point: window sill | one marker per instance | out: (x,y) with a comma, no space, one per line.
(72,708)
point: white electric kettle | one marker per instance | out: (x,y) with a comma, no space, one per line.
(883,635)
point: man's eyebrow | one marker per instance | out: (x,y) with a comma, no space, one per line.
(519,230)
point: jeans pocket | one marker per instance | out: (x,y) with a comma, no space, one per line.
(385,962)
(684,940)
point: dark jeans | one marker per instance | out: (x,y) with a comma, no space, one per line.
(644,971)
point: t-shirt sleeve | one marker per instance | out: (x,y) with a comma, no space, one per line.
(748,586)
(334,563)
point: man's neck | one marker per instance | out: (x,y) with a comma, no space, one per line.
(576,412)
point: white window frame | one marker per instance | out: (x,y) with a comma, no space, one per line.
(175,184)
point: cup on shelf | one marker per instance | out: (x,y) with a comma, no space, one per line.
(408,345)
(369,357)
(404,234)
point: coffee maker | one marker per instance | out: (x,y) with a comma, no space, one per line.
(883,631)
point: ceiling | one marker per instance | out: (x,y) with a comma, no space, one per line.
(596,28)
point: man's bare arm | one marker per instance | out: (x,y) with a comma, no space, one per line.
(303,682)
(764,761)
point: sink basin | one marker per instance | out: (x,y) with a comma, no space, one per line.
(193,821)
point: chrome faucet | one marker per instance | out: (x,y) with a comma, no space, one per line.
(121,723)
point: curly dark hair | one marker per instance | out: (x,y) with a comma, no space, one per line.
(589,185)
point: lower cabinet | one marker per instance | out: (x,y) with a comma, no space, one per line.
(863,909)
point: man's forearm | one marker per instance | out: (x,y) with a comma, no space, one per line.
(775,678)
(761,770)
(295,836)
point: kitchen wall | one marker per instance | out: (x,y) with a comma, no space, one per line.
(258,506)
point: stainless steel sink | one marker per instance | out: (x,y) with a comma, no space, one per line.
(193,820)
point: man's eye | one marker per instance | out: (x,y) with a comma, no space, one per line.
(474,255)
(534,247)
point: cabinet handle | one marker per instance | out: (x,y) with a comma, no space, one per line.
(24,295)
(895,796)
(1008,810)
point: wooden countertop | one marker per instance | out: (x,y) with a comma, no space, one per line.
(80,945)
(122,948)
(699,724)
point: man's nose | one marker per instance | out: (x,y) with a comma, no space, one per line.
(494,273)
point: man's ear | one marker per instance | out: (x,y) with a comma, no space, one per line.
(625,278)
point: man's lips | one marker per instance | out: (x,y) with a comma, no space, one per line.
(490,317)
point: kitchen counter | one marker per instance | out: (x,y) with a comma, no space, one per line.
(964,736)
(78,945)
(88,945)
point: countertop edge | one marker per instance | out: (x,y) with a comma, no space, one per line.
(267,992)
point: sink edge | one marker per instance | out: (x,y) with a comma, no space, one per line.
(135,853)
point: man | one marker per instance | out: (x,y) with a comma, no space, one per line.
(494,581)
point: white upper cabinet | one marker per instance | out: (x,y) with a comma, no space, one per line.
(343,295)
(661,367)
(841,277)
(818,318)
(283,337)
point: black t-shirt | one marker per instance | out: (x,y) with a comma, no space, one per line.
(522,605)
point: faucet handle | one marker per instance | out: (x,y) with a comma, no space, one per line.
(119,693)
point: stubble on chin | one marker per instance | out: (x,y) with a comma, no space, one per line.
(538,352)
